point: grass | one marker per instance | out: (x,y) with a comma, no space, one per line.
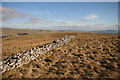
(89,55)
(15,44)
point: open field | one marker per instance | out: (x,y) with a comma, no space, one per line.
(8,32)
(18,43)
(89,55)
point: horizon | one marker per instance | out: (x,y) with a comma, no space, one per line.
(59,30)
(86,16)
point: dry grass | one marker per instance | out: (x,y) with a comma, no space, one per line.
(89,55)
(15,44)
(14,32)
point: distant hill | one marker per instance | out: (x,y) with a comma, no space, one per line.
(95,31)
(6,32)
(105,31)
(73,30)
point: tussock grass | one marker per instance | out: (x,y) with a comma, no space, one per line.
(15,44)
(89,55)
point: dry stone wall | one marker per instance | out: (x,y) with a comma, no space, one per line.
(24,57)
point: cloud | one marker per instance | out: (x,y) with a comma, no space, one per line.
(37,20)
(88,27)
(89,17)
(63,21)
(99,25)
(82,27)
(84,20)
(8,13)
(92,16)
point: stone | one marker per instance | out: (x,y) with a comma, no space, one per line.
(24,57)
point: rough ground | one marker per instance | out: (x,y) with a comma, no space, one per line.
(89,55)
(15,44)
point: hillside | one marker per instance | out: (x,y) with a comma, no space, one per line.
(89,55)
(106,31)
(7,32)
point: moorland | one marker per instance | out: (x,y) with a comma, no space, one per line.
(89,55)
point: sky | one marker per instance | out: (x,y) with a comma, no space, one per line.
(85,16)
(60,0)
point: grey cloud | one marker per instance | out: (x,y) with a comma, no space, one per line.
(84,20)
(8,13)
(37,20)
(63,21)
(44,22)
(99,25)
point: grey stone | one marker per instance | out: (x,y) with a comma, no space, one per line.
(24,57)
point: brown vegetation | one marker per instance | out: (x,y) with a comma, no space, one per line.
(15,44)
(89,55)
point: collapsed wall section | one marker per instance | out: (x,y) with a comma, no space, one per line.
(24,57)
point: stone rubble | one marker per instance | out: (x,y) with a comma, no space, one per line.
(24,57)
